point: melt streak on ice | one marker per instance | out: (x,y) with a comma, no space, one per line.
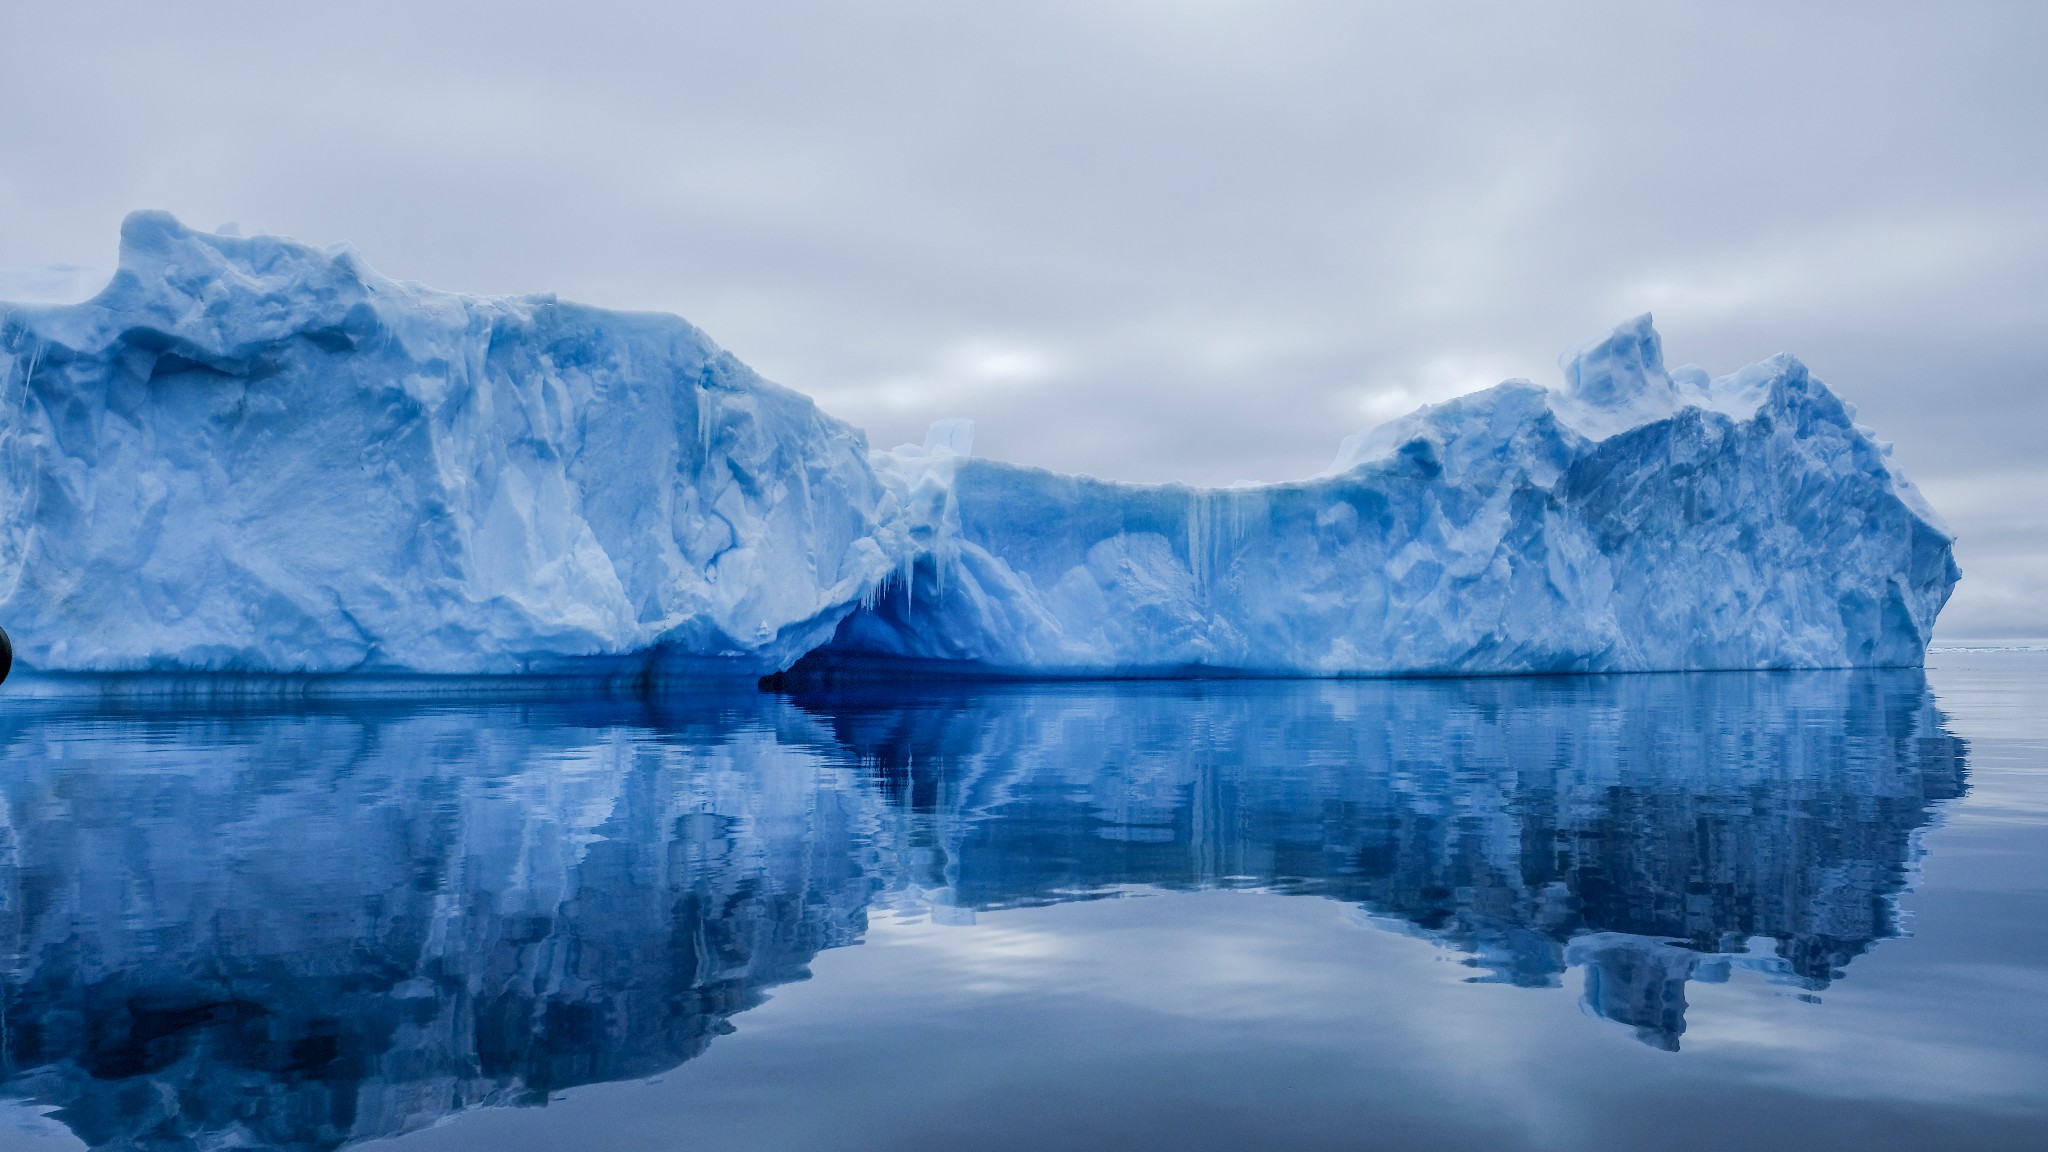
(246,454)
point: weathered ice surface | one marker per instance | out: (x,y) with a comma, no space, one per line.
(1637,520)
(248,455)
(251,455)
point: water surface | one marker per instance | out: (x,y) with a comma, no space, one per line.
(1769,910)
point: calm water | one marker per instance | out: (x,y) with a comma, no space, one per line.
(1730,911)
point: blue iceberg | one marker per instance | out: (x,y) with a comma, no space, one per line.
(251,455)
(1637,520)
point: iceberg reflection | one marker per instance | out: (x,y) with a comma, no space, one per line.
(306,928)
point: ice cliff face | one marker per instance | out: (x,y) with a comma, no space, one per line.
(1638,520)
(247,454)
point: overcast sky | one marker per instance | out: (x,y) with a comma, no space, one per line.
(1198,239)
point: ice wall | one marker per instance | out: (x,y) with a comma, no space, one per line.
(1636,520)
(248,455)
(252,455)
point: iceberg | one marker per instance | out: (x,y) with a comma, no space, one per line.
(250,455)
(1636,520)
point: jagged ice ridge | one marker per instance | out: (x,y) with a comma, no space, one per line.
(250,455)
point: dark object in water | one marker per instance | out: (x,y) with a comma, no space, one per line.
(6,655)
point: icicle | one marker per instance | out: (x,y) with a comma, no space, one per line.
(34,361)
(942,545)
(703,429)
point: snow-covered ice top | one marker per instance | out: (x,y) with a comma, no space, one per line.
(253,455)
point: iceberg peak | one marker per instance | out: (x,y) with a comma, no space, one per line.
(1620,368)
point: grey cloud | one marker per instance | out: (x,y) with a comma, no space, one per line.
(1141,239)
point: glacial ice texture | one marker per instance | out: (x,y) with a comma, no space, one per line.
(251,455)
(247,454)
(1638,520)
